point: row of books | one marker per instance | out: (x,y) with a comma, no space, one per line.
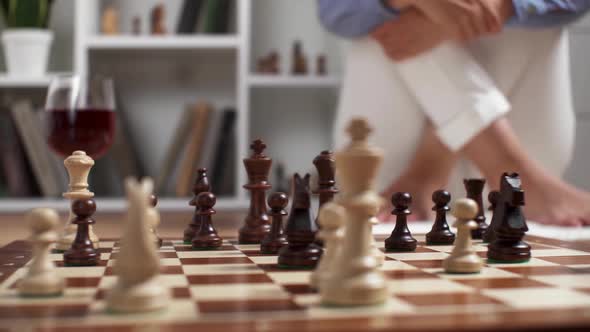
(207,16)
(204,137)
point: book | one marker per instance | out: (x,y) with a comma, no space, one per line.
(214,130)
(189,15)
(123,150)
(217,16)
(36,149)
(192,154)
(173,153)
(223,178)
(17,177)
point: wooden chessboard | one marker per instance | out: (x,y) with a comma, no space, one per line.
(237,288)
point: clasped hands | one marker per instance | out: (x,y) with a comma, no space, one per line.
(424,24)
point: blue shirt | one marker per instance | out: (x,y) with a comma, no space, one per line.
(356,18)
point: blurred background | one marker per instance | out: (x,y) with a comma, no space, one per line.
(195,82)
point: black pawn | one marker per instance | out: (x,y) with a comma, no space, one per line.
(493,198)
(201,185)
(153,200)
(275,239)
(440,232)
(82,252)
(207,237)
(301,252)
(401,239)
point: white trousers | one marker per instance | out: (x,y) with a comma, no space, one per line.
(522,74)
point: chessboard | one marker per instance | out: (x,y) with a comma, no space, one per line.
(237,288)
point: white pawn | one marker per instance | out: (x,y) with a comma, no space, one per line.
(463,259)
(331,220)
(42,278)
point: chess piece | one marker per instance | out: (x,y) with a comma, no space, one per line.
(493,198)
(41,278)
(440,234)
(331,219)
(324,164)
(137,267)
(356,278)
(110,21)
(401,239)
(510,227)
(299,59)
(136,25)
(275,239)
(200,185)
(321,65)
(207,237)
(82,252)
(154,219)
(463,258)
(300,252)
(474,188)
(257,223)
(78,166)
(377,253)
(158,16)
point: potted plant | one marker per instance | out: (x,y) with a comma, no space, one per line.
(26,38)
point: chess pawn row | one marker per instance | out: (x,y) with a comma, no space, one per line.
(41,278)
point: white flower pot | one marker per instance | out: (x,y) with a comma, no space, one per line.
(26,51)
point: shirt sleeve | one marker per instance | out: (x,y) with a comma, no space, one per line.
(547,13)
(353,18)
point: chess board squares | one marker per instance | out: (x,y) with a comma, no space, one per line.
(59,257)
(6,272)
(215,269)
(258,291)
(166,280)
(539,298)
(558,252)
(162,254)
(215,260)
(426,286)
(568,260)
(416,256)
(178,309)
(496,283)
(101,263)
(188,247)
(247,247)
(209,254)
(393,306)
(163,262)
(228,279)
(448,299)
(537,270)
(71,296)
(16,259)
(448,248)
(565,280)
(169,269)
(248,306)
(270,259)
(290,277)
(532,262)
(49,310)
(175,293)
(393,265)
(486,273)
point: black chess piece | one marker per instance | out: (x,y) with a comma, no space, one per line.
(82,252)
(276,239)
(206,238)
(474,188)
(326,167)
(301,252)
(401,239)
(440,233)
(493,198)
(508,246)
(257,222)
(153,202)
(200,185)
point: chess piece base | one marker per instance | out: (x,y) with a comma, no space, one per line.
(295,258)
(65,243)
(469,263)
(73,259)
(206,242)
(369,289)
(444,237)
(405,243)
(272,246)
(253,235)
(47,284)
(509,251)
(145,297)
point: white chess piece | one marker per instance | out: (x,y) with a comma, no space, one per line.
(331,219)
(379,255)
(356,278)
(463,259)
(137,267)
(42,278)
(78,166)
(153,221)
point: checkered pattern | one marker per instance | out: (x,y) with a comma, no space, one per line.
(237,281)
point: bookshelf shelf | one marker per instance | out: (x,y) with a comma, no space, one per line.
(8,81)
(284,81)
(164,42)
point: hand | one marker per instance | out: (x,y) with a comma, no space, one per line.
(409,35)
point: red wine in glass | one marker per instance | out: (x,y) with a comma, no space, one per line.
(91,130)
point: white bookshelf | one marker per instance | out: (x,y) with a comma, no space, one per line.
(9,81)
(157,75)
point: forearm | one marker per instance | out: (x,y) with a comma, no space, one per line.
(547,13)
(353,18)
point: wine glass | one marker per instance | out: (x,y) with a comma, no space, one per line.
(80,115)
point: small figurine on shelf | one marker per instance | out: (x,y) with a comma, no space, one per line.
(158,15)
(136,25)
(299,60)
(321,65)
(110,21)
(268,64)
